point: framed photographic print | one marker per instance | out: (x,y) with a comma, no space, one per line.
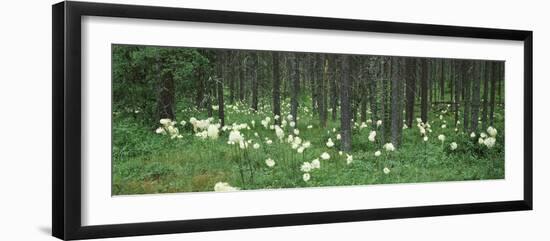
(170,120)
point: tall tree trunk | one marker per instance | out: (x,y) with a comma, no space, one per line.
(165,103)
(467,72)
(373,71)
(334,76)
(396,101)
(295,88)
(232,78)
(457,66)
(424,91)
(475,96)
(410,89)
(220,80)
(487,76)
(323,70)
(242,73)
(254,57)
(345,90)
(276,88)
(442,80)
(495,68)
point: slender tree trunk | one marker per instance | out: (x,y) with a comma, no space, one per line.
(396,101)
(254,57)
(242,73)
(276,88)
(295,88)
(334,75)
(345,112)
(165,103)
(232,78)
(467,72)
(323,69)
(410,89)
(220,80)
(424,91)
(495,68)
(487,76)
(442,80)
(458,88)
(372,88)
(475,96)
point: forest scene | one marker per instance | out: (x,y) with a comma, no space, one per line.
(200,120)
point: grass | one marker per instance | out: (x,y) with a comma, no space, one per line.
(146,162)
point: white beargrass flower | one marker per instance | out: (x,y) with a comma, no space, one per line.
(306,177)
(492,131)
(289,117)
(483,135)
(405,126)
(256,146)
(441,137)
(183,123)
(309,126)
(300,149)
(443,126)
(372,136)
(338,137)
(213,132)
(292,124)
(315,164)
(333,129)
(215,107)
(489,142)
(165,122)
(473,135)
(422,130)
(235,137)
(481,141)
(279,132)
(296,132)
(224,187)
(276,117)
(453,146)
(290,139)
(386,170)
(161,131)
(425,138)
(306,167)
(330,143)
(378,123)
(268,142)
(389,147)
(270,162)
(306,144)
(325,156)
(418,120)
(349,159)
(340,153)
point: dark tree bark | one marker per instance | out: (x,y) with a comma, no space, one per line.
(373,72)
(242,73)
(364,95)
(165,103)
(487,76)
(442,80)
(295,88)
(345,112)
(254,57)
(457,66)
(323,70)
(410,89)
(396,101)
(276,88)
(424,90)
(495,69)
(220,81)
(467,72)
(232,77)
(334,76)
(475,95)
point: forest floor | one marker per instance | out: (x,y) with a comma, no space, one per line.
(148,162)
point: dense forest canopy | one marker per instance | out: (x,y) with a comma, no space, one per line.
(384,95)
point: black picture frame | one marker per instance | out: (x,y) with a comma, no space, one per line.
(66,127)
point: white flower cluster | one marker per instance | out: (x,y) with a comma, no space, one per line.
(168,127)
(488,141)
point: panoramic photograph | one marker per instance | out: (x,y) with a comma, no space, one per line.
(190,119)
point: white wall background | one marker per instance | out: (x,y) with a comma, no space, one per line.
(25,105)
